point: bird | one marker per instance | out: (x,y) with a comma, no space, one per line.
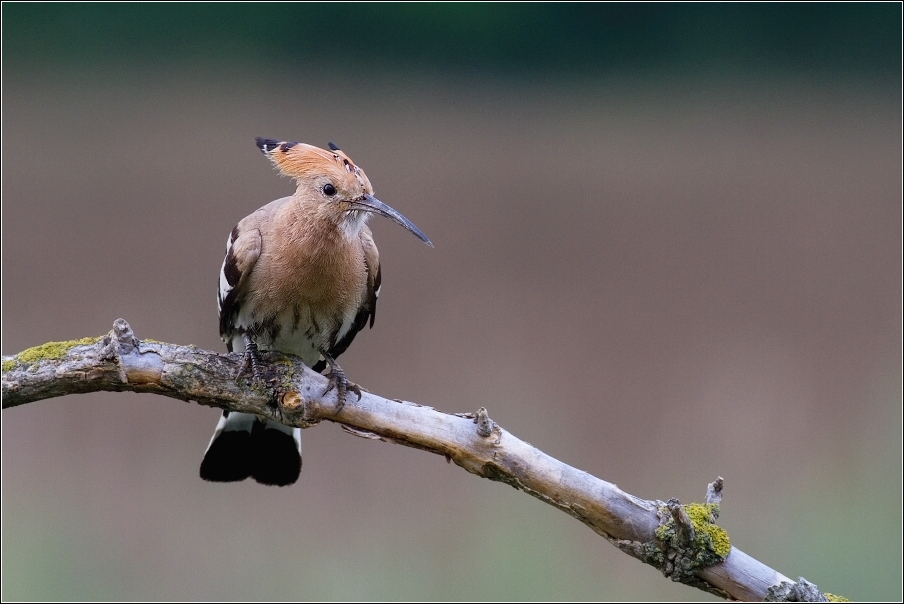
(301,276)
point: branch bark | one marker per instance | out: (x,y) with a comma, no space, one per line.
(294,395)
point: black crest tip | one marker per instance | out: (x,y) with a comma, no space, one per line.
(266,145)
(333,147)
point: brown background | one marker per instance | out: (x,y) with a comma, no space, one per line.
(656,280)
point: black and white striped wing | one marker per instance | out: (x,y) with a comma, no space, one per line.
(243,248)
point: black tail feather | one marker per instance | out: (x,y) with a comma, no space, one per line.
(275,457)
(229,458)
(246,447)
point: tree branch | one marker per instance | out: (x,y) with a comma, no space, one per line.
(682,541)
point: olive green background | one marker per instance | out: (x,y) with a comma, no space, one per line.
(668,248)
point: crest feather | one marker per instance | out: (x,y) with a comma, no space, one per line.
(299,160)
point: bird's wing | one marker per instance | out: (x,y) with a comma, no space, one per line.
(242,251)
(372,261)
(368,307)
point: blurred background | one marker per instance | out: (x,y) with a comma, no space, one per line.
(668,248)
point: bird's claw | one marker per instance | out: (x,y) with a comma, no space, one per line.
(250,358)
(342,386)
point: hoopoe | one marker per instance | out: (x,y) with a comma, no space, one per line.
(302,276)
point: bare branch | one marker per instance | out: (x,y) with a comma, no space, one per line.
(119,362)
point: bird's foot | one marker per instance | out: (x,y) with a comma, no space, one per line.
(250,359)
(340,383)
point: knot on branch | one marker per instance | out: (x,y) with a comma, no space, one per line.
(688,538)
(714,496)
(484,423)
(123,340)
(801,591)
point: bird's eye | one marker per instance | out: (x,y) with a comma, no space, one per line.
(329,190)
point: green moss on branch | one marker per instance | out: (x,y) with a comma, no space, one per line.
(48,351)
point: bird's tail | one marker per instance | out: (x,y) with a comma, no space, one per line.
(244,445)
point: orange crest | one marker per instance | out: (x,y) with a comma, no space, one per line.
(301,161)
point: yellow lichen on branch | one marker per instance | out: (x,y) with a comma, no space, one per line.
(708,532)
(48,351)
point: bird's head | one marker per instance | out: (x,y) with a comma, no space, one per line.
(333,181)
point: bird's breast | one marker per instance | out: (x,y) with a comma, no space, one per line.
(308,294)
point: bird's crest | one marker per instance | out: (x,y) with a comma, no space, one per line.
(300,160)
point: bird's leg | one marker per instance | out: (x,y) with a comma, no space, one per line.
(252,358)
(339,382)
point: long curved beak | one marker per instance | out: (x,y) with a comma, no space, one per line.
(369,203)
